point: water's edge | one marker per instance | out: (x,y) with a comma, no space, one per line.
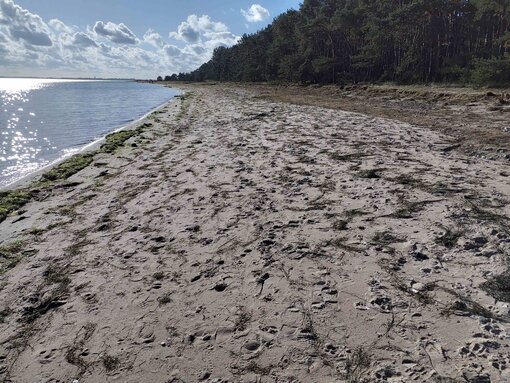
(91,146)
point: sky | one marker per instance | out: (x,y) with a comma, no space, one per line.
(123,38)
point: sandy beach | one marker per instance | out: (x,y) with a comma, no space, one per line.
(240,237)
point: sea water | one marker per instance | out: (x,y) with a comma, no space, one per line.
(44,120)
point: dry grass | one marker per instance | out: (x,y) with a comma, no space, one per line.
(243,317)
(409,209)
(73,355)
(357,365)
(10,254)
(110,363)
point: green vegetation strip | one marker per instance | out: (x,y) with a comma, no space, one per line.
(116,140)
(13,200)
(69,167)
(185,104)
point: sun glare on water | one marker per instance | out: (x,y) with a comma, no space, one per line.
(19,144)
(17,85)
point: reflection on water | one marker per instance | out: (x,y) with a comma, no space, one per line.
(42,120)
(19,142)
(19,85)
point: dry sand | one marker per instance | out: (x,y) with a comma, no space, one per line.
(245,240)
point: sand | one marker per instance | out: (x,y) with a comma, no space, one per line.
(239,239)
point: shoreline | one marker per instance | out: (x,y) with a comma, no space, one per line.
(30,177)
(239,238)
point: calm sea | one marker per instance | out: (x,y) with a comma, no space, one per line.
(44,120)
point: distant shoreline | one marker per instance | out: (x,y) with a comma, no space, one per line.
(71,78)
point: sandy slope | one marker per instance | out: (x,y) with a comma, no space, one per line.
(252,241)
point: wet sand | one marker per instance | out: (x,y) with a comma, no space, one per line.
(243,239)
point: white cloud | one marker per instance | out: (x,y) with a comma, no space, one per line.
(33,37)
(118,33)
(197,28)
(172,50)
(186,33)
(201,36)
(24,26)
(83,40)
(255,13)
(31,46)
(59,26)
(154,38)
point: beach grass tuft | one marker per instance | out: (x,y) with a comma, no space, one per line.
(12,200)
(10,255)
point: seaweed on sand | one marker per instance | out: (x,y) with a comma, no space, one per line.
(69,167)
(499,286)
(115,140)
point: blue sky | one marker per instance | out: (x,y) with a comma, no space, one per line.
(123,38)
